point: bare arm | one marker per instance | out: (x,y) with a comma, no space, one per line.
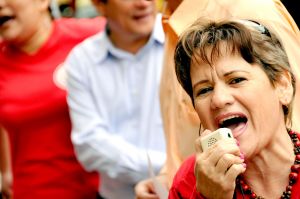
(5,165)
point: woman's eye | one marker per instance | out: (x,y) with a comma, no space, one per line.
(237,80)
(203,91)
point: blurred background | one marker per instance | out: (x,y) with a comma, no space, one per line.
(80,8)
(84,8)
(75,8)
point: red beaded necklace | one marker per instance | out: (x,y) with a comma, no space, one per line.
(295,168)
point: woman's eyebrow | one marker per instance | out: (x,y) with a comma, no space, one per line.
(234,71)
(200,82)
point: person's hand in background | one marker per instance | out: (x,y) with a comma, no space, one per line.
(145,188)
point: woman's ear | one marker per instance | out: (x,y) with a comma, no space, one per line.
(285,88)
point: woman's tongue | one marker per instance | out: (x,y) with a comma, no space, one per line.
(235,127)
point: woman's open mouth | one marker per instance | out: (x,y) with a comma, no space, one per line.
(5,19)
(234,122)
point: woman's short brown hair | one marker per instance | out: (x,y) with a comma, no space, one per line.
(250,39)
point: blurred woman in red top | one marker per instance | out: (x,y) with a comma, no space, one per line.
(33,109)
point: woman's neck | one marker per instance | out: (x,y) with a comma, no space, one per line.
(38,38)
(268,173)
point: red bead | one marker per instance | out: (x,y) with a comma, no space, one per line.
(295,168)
(289,188)
(297,157)
(293,176)
(242,182)
(245,187)
(297,143)
(253,195)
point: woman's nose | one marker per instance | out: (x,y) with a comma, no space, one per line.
(221,97)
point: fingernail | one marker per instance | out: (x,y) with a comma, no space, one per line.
(242,156)
(244,165)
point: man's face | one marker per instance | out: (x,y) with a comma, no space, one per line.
(129,17)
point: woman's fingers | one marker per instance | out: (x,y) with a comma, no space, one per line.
(226,161)
(234,171)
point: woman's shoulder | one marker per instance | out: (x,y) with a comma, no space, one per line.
(187,167)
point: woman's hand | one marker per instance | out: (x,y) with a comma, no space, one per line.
(6,182)
(216,168)
(145,188)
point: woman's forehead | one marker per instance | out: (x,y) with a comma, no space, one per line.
(212,54)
